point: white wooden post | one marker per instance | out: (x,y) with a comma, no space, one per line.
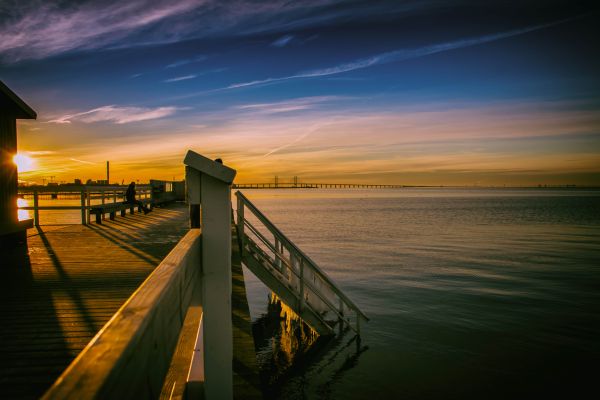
(278,251)
(36,210)
(89,203)
(215,219)
(83,218)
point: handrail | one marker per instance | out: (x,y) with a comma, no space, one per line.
(267,223)
(324,299)
(307,283)
(85,193)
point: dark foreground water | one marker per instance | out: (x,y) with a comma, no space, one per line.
(472,293)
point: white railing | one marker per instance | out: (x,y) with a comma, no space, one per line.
(88,197)
(313,287)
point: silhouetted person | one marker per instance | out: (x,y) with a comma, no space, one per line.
(130,198)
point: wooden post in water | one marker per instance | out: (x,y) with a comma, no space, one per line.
(214,181)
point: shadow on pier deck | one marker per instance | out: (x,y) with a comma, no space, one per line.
(57,293)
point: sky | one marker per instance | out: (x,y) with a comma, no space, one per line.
(382,92)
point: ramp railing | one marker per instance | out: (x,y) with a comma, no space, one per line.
(291,274)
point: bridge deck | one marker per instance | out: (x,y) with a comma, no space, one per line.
(58,293)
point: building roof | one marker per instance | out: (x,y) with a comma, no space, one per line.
(12,105)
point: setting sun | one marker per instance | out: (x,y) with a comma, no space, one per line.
(24,163)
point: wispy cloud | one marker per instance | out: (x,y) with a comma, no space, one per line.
(283,41)
(180,78)
(119,115)
(304,103)
(397,55)
(40,29)
(82,161)
(186,61)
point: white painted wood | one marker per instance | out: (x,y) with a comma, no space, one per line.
(196,376)
(192,184)
(293,249)
(89,203)
(216,287)
(83,217)
(36,210)
(209,167)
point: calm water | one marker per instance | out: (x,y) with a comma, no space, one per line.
(471,293)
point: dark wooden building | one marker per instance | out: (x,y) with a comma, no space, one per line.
(11,109)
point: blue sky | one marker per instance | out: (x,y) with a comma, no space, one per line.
(408,92)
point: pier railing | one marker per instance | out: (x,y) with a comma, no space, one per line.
(144,351)
(130,357)
(87,197)
(306,288)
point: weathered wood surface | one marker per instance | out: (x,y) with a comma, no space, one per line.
(57,294)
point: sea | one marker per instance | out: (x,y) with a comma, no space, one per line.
(472,293)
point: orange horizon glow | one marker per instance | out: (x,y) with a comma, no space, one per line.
(503,144)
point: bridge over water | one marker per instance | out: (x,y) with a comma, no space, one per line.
(300,185)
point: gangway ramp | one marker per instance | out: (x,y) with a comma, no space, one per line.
(292,275)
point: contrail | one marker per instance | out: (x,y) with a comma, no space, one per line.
(83,162)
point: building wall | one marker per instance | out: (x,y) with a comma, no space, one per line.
(8,170)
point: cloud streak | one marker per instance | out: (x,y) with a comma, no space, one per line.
(397,55)
(300,104)
(118,115)
(180,78)
(283,41)
(186,61)
(38,30)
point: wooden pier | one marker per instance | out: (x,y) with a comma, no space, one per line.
(153,306)
(59,292)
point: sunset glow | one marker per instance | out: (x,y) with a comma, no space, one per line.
(325,92)
(24,162)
